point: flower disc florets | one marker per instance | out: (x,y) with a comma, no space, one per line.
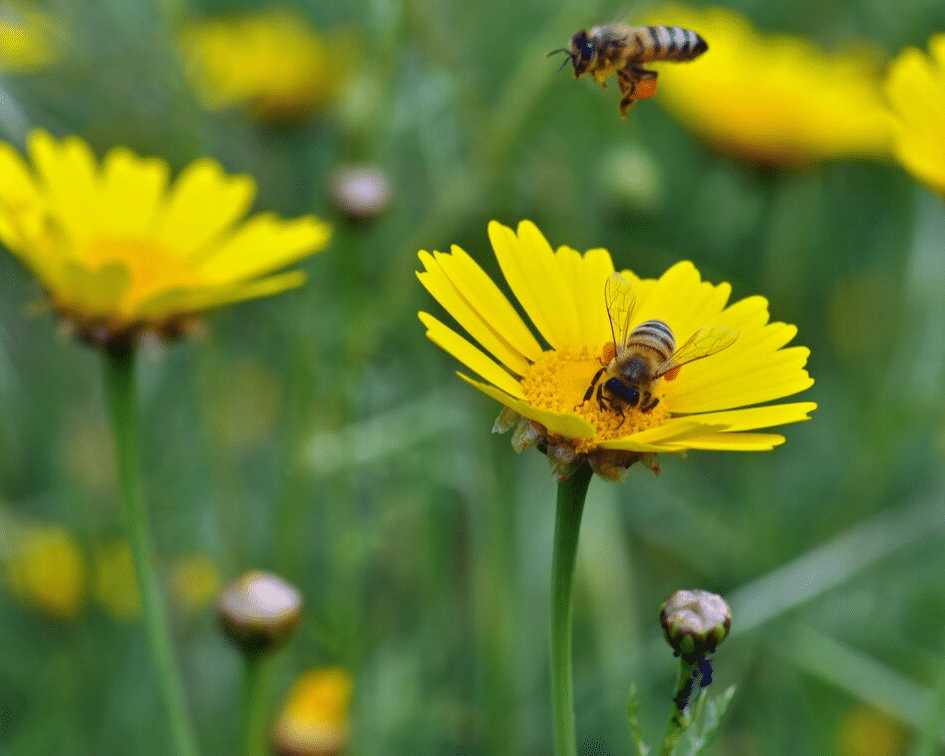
(706,404)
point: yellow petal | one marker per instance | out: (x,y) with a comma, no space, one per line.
(586,275)
(733,442)
(67,170)
(132,189)
(485,297)
(454,344)
(759,417)
(498,329)
(569,426)
(538,282)
(183,301)
(263,244)
(189,222)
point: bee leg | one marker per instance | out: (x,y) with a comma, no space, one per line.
(594,380)
(627,80)
(649,405)
(600,397)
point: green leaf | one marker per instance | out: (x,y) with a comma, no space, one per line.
(703,729)
(633,724)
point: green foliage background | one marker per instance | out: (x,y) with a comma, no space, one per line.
(421,542)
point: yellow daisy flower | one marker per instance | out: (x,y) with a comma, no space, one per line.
(773,99)
(120,251)
(47,569)
(274,62)
(916,91)
(706,404)
(314,718)
(27,39)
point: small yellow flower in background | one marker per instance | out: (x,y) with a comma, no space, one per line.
(915,88)
(708,404)
(273,62)
(314,718)
(773,99)
(195,582)
(47,570)
(865,731)
(114,584)
(121,251)
(27,39)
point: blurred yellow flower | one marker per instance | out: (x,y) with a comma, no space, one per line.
(865,731)
(702,405)
(916,91)
(773,99)
(195,581)
(47,570)
(27,39)
(274,62)
(115,585)
(314,718)
(120,251)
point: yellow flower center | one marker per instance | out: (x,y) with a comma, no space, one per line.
(558,381)
(150,267)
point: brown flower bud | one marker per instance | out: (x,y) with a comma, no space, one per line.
(259,611)
(695,622)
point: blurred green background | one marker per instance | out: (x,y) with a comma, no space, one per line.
(319,435)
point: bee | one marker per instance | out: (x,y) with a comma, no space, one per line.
(622,50)
(645,355)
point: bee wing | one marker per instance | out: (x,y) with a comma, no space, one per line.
(707,341)
(620,297)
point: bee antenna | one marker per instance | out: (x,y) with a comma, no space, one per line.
(567,60)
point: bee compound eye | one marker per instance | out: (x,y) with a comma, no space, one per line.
(621,390)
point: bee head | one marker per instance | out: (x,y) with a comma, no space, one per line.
(582,50)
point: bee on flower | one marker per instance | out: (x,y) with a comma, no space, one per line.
(611,388)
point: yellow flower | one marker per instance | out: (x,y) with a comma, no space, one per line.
(115,584)
(314,718)
(27,41)
(273,62)
(120,251)
(195,581)
(707,404)
(773,99)
(47,570)
(916,91)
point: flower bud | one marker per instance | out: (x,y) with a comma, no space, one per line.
(259,611)
(361,192)
(695,622)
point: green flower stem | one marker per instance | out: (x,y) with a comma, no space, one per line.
(676,724)
(253,707)
(571,495)
(120,384)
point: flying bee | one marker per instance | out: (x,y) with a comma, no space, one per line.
(622,50)
(645,355)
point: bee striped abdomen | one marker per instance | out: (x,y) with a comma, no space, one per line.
(654,335)
(670,43)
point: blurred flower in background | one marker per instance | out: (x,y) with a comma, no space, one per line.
(916,91)
(563,293)
(27,39)
(865,731)
(773,99)
(195,582)
(47,570)
(273,62)
(314,717)
(121,252)
(114,583)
